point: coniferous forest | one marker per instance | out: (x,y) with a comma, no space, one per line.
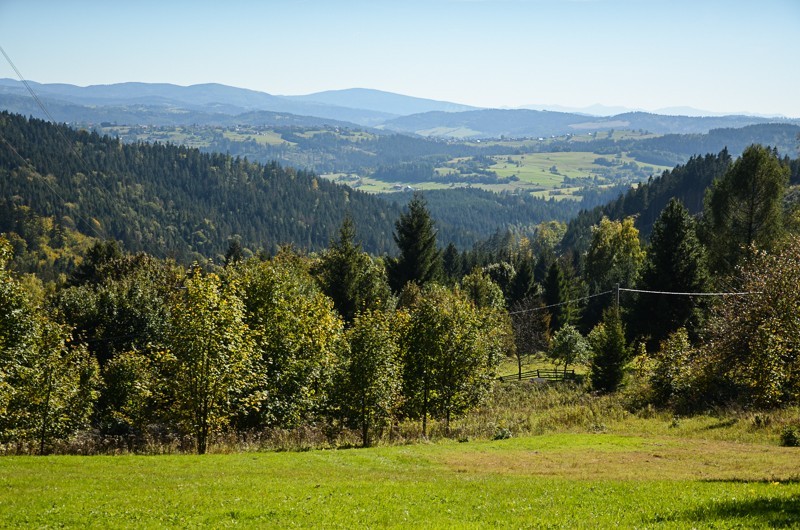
(152,293)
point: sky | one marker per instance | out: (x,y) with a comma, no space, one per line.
(716,55)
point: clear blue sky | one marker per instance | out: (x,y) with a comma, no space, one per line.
(717,55)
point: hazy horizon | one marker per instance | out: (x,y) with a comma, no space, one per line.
(716,56)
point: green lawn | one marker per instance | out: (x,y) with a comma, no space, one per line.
(550,481)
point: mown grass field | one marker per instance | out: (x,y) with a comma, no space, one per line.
(552,481)
(574,460)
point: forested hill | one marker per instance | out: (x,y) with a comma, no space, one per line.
(175,201)
(687,182)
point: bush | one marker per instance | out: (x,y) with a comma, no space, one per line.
(790,437)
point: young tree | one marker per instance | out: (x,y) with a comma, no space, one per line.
(370,382)
(568,347)
(483,292)
(557,294)
(523,284)
(212,349)
(415,235)
(614,257)
(744,208)
(451,352)
(675,262)
(610,352)
(297,336)
(752,353)
(47,387)
(452,263)
(531,324)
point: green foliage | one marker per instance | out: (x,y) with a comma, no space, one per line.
(42,246)
(420,260)
(47,386)
(531,325)
(125,307)
(350,277)
(483,292)
(451,350)
(502,273)
(610,352)
(568,347)
(672,376)
(615,255)
(558,294)
(212,354)
(751,353)
(523,284)
(675,262)
(790,438)
(744,208)
(132,386)
(368,389)
(297,335)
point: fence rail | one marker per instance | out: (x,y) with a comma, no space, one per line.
(550,374)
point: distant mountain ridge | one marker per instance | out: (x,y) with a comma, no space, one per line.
(216,104)
(380,101)
(494,123)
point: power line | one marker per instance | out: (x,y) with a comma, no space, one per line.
(560,303)
(674,293)
(60,133)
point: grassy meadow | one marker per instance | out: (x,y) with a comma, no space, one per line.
(560,458)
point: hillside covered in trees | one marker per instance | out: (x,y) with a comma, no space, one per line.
(176,201)
(169,199)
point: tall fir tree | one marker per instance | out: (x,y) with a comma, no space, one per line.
(557,291)
(675,262)
(522,285)
(350,277)
(453,264)
(420,260)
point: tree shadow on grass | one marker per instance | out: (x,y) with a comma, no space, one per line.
(765,511)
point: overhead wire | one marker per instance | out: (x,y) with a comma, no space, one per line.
(25,161)
(643,291)
(540,308)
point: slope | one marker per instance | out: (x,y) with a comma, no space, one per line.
(176,201)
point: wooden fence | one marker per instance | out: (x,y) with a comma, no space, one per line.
(550,374)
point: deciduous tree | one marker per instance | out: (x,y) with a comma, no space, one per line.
(370,382)
(212,349)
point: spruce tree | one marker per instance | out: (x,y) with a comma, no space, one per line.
(349,276)
(557,291)
(420,260)
(610,352)
(675,262)
(452,263)
(523,283)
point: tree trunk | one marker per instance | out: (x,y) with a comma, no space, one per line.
(425,410)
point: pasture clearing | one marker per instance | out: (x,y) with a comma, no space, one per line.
(567,480)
